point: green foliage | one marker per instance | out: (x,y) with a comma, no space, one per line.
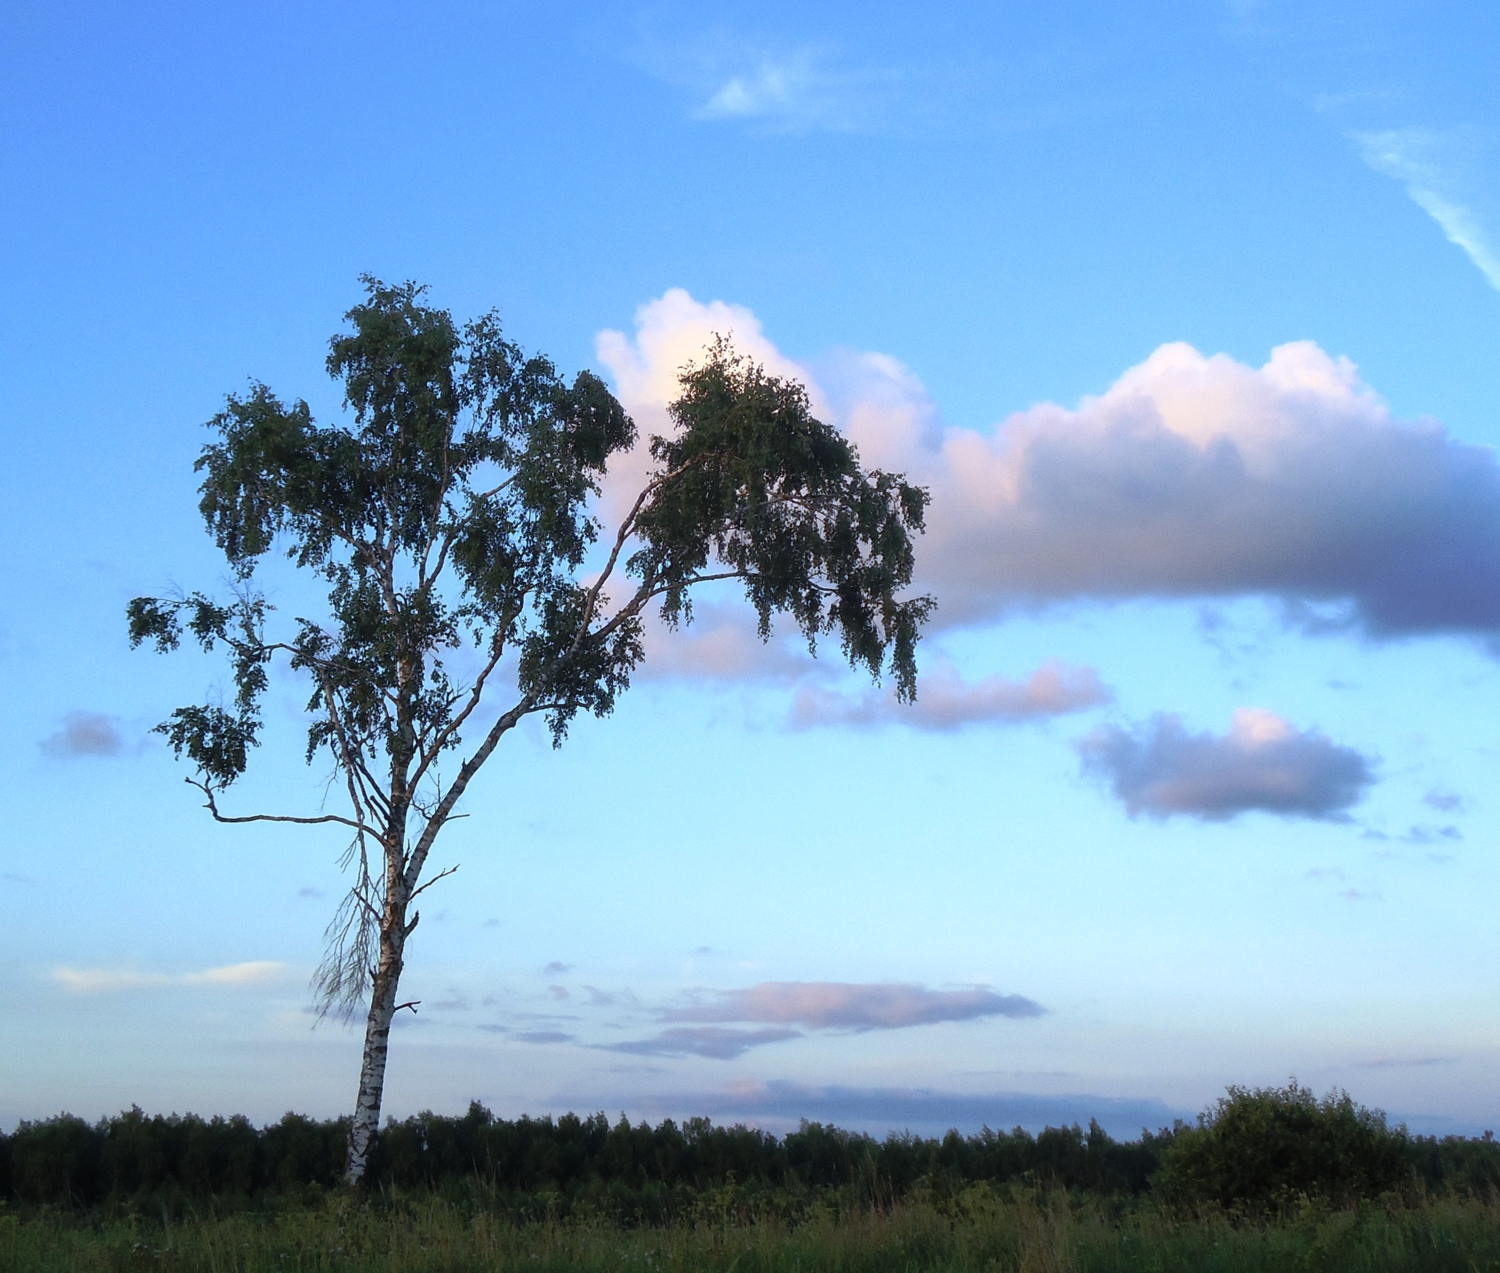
(535,1167)
(1270,1148)
(464,455)
(452,508)
(779,498)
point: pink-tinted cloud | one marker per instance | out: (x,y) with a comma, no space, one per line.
(1262,763)
(1191,475)
(820,1005)
(945,701)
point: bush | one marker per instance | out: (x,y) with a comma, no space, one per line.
(1266,1148)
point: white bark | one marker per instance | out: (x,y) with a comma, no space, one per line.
(372,1068)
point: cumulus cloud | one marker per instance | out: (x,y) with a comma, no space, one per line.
(1262,763)
(1434,167)
(1191,476)
(104,980)
(945,701)
(821,1005)
(85,734)
(719,1043)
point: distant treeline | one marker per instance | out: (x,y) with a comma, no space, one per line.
(1262,1148)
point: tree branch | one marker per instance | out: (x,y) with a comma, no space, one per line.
(213,808)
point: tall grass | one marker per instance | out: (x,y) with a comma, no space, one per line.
(1010,1230)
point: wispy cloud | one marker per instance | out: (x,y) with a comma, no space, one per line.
(719,1043)
(85,734)
(821,1005)
(1262,763)
(945,701)
(106,980)
(1435,168)
(724,1024)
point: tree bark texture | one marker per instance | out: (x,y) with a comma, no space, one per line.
(384,982)
(377,1042)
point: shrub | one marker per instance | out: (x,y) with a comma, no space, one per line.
(1265,1148)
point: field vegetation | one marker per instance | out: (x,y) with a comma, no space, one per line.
(1271,1179)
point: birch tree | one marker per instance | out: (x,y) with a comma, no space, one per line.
(452,506)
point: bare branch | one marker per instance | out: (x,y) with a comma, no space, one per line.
(213,808)
(440,875)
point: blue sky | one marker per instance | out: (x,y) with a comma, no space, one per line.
(1185,312)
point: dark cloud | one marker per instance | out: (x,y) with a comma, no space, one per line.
(85,734)
(718,1042)
(945,701)
(544,1036)
(1444,801)
(309,891)
(820,1005)
(1263,763)
(558,992)
(556,967)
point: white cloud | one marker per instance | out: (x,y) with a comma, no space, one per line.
(1434,167)
(1190,476)
(108,980)
(945,701)
(1263,763)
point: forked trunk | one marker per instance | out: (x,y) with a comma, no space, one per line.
(377,1042)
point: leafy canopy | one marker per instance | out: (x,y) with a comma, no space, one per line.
(454,507)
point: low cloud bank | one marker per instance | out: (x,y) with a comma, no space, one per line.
(1190,476)
(1263,763)
(780,1104)
(945,701)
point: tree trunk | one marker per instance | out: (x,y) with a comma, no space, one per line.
(377,1042)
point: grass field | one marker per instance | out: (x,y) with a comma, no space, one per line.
(980,1229)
